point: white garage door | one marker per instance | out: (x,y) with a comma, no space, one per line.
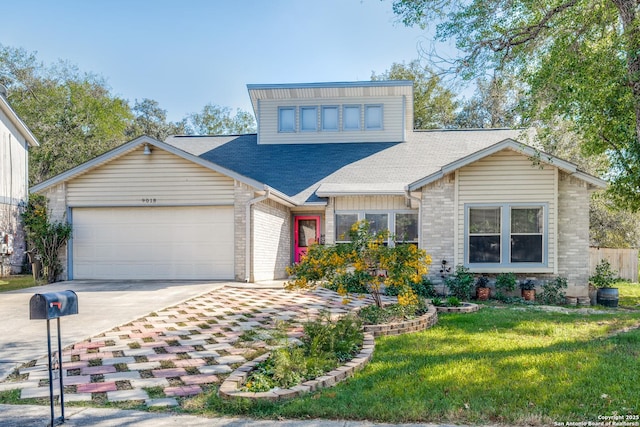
(153,243)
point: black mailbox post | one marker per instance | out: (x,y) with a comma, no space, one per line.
(53,305)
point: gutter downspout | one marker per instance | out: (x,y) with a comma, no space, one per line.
(419,201)
(247,255)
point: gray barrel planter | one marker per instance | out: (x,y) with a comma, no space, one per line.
(607,297)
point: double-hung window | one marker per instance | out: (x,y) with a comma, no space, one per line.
(506,235)
(403,225)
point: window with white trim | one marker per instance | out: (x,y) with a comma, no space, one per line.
(351,117)
(286,119)
(308,119)
(373,117)
(403,225)
(506,235)
(330,118)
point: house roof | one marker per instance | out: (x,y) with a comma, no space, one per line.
(305,173)
(17,122)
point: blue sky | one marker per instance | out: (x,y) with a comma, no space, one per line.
(187,53)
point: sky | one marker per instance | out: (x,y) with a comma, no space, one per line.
(188,53)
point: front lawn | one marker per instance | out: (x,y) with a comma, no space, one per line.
(629,294)
(12,283)
(514,365)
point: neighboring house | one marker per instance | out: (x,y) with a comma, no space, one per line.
(325,155)
(15,140)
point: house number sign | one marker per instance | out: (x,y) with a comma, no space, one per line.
(149,200)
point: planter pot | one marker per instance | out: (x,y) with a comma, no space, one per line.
(482,294)
(528,294)
(607,297)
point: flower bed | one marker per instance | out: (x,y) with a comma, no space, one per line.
(231,388)
(420,323)
(466,307)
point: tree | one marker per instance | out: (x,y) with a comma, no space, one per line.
(45,238)
(151,120)
(217,120)
(433,104)
(73,114)
(579,58)
(494,104)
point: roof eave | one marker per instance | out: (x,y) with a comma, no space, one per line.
(131,145)
(513,145)
(18,123)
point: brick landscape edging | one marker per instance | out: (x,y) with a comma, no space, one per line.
(421,323)
(231,387)
(466,307)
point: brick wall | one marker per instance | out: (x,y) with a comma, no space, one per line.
(573,234)
(271,231)
(242,196)
(438,224)
(11,223)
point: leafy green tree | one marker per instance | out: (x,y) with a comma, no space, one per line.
(433,104)
(494,104)
(151,120)
(217,120)
(73,114)
(579,58)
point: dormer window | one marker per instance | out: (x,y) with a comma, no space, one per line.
(308,119)
(373,117)
(330,118)
(286,119)
(351,117)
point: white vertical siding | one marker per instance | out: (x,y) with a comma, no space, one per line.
(507,177)
(159,179)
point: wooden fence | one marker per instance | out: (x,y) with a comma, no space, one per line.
(624,261)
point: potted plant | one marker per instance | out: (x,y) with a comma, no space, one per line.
(482,288)
(603,281)
(528,290)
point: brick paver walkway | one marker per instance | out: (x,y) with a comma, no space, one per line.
(182,350)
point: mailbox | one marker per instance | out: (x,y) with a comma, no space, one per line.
(52,305)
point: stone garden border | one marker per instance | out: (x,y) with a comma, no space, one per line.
(466,307)
(421,323)
(231,387)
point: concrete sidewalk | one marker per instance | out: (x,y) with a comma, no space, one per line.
(39,416)
(102,305)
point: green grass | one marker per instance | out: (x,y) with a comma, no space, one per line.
(511,365)
(629,294)
(12,283)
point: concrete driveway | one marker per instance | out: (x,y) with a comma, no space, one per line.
(102,305)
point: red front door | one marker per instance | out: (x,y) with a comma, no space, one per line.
(306,233)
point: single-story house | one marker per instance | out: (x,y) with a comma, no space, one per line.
(15,141)
(244,207)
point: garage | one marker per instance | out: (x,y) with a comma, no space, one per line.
(184,243)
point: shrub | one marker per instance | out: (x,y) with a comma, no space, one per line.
(605,276)
(460,284)
(454,302)
(325,344)
(45,238)
(365,262)
(423,289)
(552,292)
(506,282)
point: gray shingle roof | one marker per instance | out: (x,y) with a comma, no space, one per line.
(299,170)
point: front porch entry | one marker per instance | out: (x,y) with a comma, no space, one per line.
(306,232)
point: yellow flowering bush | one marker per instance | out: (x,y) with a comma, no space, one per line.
(364,264)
